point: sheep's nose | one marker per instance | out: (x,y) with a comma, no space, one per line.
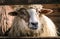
(34,25)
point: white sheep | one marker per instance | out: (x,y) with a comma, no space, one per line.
(30,21)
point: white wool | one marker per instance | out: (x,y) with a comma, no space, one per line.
(49,27)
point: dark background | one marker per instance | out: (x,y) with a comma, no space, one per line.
(29,1)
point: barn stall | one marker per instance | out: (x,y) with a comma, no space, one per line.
(6,20)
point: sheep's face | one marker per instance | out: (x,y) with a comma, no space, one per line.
(31,16)
(34,22)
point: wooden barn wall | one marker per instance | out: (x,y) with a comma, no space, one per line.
(6,20)
(29,1)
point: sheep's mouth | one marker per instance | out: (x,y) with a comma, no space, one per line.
(33,28)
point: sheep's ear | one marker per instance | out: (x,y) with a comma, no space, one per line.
(46,11)
(13,13)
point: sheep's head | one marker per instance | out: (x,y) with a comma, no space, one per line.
(31,16)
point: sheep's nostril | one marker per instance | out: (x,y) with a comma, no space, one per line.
(34,24)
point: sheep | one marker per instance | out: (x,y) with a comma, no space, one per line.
(31,21)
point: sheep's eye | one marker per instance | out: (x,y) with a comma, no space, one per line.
(23,12)
(24,15)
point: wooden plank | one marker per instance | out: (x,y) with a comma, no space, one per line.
(55,19)
(51,6)
(53,15)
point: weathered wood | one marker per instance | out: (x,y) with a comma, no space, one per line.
(28,1)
